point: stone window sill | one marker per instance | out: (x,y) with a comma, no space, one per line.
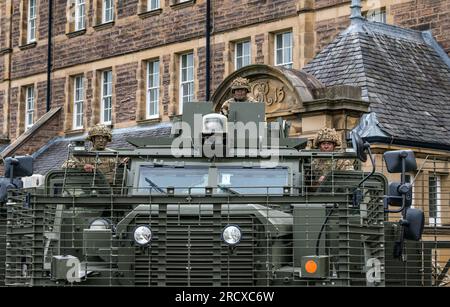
(75,131)
(149,121)
(75,33)
(28,46)
(5,51)
(179,5)
(104,26)
(147,14)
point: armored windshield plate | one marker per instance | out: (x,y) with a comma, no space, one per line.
(246,112)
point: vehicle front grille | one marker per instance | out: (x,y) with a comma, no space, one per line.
(188,251)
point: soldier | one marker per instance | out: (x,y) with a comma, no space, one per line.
(240,88)
(99,135)
(327,140)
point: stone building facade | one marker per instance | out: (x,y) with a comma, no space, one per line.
(111,51)
(132,64)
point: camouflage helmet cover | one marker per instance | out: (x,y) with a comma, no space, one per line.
(327,135)
(240,83)
(99,130)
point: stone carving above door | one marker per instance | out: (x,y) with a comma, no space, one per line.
(280,89)
(264,91)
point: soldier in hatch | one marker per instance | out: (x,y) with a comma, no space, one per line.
(240,88)
(326,141)
(100,136)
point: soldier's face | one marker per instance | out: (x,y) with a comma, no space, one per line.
(99,142)
(326,146)
(240,94)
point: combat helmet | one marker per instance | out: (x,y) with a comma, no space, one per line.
(327,135)
(98,130)
(240,83)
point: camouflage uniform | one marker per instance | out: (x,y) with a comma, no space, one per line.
(321,167)
(437,271)
(238,83)
(105,165)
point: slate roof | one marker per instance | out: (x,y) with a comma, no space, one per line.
(3,147)
(54,153)
(403,73)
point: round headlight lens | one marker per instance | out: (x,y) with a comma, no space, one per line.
(142,235)
(100,224)
(232,235)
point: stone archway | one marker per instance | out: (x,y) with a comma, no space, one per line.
(281,89)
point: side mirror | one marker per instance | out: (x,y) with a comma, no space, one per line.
(394,159)
(396,191)
(359,146)
(415,223)
(21,166)
(6,185)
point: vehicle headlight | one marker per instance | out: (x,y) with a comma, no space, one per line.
(101,224)
(232,234)
(142,235)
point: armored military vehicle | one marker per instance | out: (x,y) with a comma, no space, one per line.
(223,201)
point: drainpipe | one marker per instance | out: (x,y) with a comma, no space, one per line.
(208,48)
(49,54)
(8,117)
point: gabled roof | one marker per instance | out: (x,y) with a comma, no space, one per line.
(403,73)
(10,149)
(54,153)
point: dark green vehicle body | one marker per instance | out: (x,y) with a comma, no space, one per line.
(48,238)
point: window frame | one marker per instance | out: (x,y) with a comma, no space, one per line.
(149,5)
(243,57)
(104,9)
(155,86)
(435,220)
(80,18)
(29,107)
(31,21)
(373,15)
(104,97)
(78,104)
(189,82)
(291,47)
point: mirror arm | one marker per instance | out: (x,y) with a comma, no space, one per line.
(395,211)
(403,157)
(399,244)
(11,174)
(367,146)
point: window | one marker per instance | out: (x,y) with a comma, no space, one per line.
(78,98)
(378,15)
(106,101)
(434,192)
(31,30)
(242,54)
(108,11)
(29,106)
(152,89)
(283,49)
(252,180)
(152,5)
(186,79)
(79,15)
(186,180)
